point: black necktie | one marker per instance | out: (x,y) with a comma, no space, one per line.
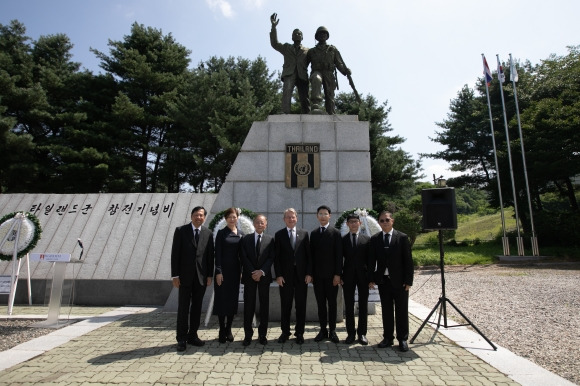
(322,229)
(196,236)
(292,240)
(354,240)
(258,246)
(387,240)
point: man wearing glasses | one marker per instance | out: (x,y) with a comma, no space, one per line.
(390,253)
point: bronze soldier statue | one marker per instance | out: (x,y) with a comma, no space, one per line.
(325,60)
(295,69)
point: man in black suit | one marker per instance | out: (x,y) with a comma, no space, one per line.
(293,269)
(257,254)
(390,253)
(326,252)
(355,275)
(192,263)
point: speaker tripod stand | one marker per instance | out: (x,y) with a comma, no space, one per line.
(442,302)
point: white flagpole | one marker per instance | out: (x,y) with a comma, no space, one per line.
(506,246)
(507,138)
(513,76)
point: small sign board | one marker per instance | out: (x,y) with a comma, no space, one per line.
(50,257)
(303,165)
(5,284)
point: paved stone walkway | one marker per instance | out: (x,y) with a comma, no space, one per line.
(137,346)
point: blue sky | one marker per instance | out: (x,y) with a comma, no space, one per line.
(417,54)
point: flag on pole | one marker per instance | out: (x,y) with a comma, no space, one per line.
(513,72)
(487,72)
(500,74)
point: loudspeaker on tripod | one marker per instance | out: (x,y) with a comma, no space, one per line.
(439,209)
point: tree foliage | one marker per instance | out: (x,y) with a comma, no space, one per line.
(549,103)
(393,171)
(148,122)
(221,100)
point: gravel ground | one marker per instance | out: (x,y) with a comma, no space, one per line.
(16,331)
(532,310)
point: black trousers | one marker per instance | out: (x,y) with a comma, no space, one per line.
(295,288)
(189,303)
(262,288)
(348,289)
(326,294)
(394,300)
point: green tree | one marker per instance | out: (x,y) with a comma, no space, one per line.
(467,139)
(551,123)
(221,100)
(149,68)
(393,171)
(22,104)
(548,99)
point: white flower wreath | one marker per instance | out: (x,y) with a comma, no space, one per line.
(369,225)
(29,234)
(244,224)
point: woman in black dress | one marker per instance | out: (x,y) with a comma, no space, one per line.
(227,274)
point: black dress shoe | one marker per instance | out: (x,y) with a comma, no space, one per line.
(363,340)
(262,339)
(333,337)
(403,346)
(323,334)
(247,341)
(181,346)
(283,338)
(299,339)
(196,342)
(229,336)
(349,339)
(385,343)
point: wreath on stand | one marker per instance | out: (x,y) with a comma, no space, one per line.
(30,231)
(245,221)
(369,225)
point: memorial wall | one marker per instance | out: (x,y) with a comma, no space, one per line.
(126,240)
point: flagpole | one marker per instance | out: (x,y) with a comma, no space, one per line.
(534,239)
(505,243)
(507,138)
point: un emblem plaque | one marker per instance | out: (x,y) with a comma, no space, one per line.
(303,165)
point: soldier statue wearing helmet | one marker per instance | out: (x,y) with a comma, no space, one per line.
(324,59)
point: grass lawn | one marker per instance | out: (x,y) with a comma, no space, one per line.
(477,239)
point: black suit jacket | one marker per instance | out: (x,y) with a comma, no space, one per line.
(251,262)
(190,260)
(355,266)
(285,257)
(326,252)
(397,258)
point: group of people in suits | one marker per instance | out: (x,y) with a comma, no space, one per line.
(322,257)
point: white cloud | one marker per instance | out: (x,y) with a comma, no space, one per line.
(254,3)
(223,6)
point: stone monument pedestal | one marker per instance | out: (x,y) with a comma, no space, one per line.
(300,162)
(339,168)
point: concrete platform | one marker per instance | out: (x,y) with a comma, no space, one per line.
(136,345)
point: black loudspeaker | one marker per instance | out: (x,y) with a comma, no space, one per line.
(439,209)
